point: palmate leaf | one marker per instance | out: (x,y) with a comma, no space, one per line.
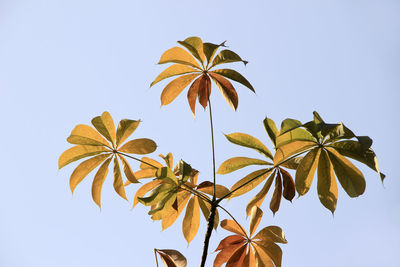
(104,145)
(244,250)
(170,193)
(191,68)
(284,184)
(327,152)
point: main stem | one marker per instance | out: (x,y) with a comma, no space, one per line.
(214,203)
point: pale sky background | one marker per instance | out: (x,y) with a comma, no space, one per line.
(64,62)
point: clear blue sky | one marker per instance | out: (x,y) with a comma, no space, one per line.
(64,62)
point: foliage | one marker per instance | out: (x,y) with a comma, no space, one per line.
(90,142)
(303,148)
(197,63)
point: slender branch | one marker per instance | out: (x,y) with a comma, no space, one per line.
(244,231)
(196,193)
(212,145)
(132,157)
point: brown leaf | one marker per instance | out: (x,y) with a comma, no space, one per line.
(236,260)
(289,189)
(226,89)
(192,94)
(172,258)
(204,90)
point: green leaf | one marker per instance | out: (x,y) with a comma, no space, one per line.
(99,181)
(271,129)
(247,140)
(236,163)
(139,146)
(306,170)
(292,136)
(175,87)
(78,152)
(176,69)
(354,150)
(167,175)
(144,189)
(178,55)
(227,56)
(317,118)
(249,182)
(84,169)
(351,179)
(86,135)
(210,49)
(327,187)
(105,125)
(289,125)
(185,171)
(235,76)
(156,195)
(195,46)
(125,129)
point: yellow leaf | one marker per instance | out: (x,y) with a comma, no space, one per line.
(147,173)
(191,221)
(259,198)
(169,160)
(78,152)
(271,234)
(125,129)
(255,218)
(195,46)
(327,187)
(178,55)
(285,151)
(208,188)
(128,171)
(144,189)
(233,227)
(150,163)
(306,170)
(176,69)
(117,182)
(84,169)
(98,182)
(139,146)
(268,252)
(85,135)
(249,182)
(351,178)
(170,218)
(175,87)
(237,163)
(105,125)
